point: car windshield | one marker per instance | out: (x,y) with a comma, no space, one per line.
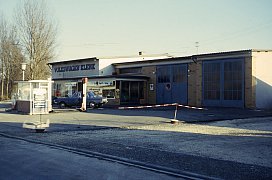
(90,94)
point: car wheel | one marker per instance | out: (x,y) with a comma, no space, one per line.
(62,105)
(92,105)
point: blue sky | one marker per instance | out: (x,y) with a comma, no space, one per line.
(89,28)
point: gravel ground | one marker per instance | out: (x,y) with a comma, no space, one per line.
(230,149)
(216,140)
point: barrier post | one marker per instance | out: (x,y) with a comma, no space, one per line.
(175,121)
(84,94)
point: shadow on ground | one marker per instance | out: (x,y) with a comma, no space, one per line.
(183,114)
(189,115)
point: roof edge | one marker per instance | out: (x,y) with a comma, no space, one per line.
(70,60)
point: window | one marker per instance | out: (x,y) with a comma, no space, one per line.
(131,70)
(141,90)
(233,80)
(211,81)
(64,88)
(179,74)
(104,88)
(109,93)
(163,74)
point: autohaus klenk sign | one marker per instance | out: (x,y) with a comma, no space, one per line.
(82,67)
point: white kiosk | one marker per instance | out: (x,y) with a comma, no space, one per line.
(34,97)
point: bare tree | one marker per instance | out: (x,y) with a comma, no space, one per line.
(3,37)
(13,60)
(10,57)
(37,34)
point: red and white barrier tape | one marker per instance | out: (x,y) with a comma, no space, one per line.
(161,105)
(190,107)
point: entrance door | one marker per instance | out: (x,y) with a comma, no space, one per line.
(134,92)
(124,91)
(179,83)
(131,92)
(164,84)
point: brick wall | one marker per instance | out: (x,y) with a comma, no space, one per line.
(250,82)
(192,84)
(195,84)
(150,95)
(198,83)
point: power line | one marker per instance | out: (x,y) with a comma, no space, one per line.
(240,33)
(89,44)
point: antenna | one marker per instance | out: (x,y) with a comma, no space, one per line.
(194,58)
(196,45)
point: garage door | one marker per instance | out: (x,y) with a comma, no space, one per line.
(223,83)
(172,84)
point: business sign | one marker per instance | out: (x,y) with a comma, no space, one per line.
(39,92)
(101,83)
(82,67)
(151,87)
(75,70)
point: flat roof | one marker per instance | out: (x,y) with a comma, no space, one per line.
(193,57)
(135,56)
(154,60)
(113,57)
(167,57)
(71,60)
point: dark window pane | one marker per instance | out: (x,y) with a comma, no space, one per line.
(211,81)
(141,90)
(109,93)
(130,70)
(233,80)
(163,74)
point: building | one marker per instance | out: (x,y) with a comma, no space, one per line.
(226,79)
(102,77)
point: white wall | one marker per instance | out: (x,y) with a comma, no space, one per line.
(262,64)
(106,68)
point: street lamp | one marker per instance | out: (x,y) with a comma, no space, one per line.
(23,68)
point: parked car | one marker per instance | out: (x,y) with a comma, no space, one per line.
(93,101)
